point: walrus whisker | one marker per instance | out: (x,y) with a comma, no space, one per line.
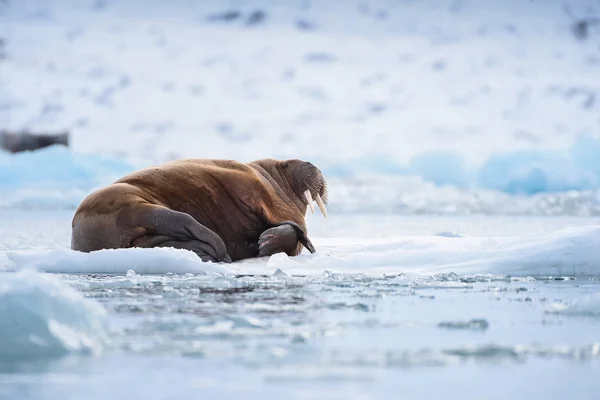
(309,200)
(321,205)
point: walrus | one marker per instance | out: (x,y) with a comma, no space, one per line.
(222,210)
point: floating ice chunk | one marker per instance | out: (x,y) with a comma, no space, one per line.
(279,273)
(119,261)
(443,285)
(449,234)
(474,324)
(588,306)
(280,260)
(43,317)
(224,283)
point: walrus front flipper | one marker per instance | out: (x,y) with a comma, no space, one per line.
(283,238)
(169,228)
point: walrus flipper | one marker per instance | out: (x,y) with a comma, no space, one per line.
(169,228)
(283,238)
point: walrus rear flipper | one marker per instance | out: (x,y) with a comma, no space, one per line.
(169,228)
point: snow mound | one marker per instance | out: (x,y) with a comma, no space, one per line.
(571,252)
(143,261)
(43,317)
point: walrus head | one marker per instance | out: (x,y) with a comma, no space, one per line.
(301,180)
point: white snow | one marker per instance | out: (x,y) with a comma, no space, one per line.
(503,97)
(568,252)
(148,261)
(43,317)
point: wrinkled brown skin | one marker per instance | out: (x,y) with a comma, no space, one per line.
(231,204)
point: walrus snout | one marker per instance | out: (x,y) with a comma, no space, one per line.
(311,183)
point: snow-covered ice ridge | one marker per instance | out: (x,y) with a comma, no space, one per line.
(338,80)
(570,252)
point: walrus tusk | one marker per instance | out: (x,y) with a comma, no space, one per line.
(321,206)
(309,200)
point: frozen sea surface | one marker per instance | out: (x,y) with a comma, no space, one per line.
(309,327)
